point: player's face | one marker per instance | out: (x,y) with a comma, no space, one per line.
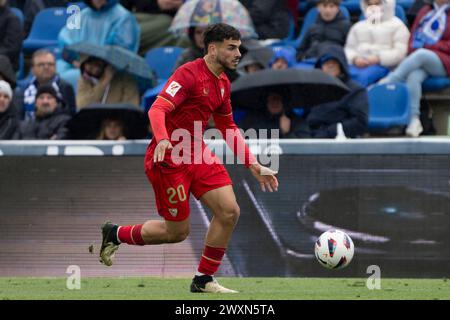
(228,54)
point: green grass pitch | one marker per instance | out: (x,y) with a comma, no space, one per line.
(250,288)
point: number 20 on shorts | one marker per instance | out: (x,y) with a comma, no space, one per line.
(179,193)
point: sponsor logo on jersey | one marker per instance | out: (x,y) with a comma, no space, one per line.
(173,88)
(173,212)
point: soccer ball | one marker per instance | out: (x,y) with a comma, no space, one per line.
(334,249)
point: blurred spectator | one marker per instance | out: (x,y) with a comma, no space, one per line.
(32,8)
(43,72)
(292,6)
(6,71)
(112,129)
(196,49)
(50,121)
(154,18)
(283,58)
(429,55)
(273,116)
(270,18)
(8,118)
(380,39)
(100,83)
(351,110)
(250,64)
(414,9)
(11,34)
(102,22)
(331,27)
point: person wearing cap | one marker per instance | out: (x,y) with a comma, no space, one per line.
(8,118)
(331,27)
(50,121)
(351,111)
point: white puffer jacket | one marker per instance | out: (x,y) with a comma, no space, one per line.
(387,39)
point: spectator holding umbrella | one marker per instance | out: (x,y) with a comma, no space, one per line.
(100,83)
(103,22)
(273,114)
(8,118)
(50,121)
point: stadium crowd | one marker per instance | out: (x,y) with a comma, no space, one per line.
(42,91)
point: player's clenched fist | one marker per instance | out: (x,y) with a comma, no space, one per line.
(160,150)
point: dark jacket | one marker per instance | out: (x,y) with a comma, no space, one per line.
(10,36)
(8,124)
(43,128)
(264,120)
(67,97)
(145,6)
(323,33)
(270,18)
(7,72)
(189,54)
(352,110)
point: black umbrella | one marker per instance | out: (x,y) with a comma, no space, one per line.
(302,88)
(86,124)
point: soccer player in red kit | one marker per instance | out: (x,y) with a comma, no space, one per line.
(194,92)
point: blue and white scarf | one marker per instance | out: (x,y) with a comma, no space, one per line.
(29,96)
(432,27)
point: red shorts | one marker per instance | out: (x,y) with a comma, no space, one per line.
(173,184)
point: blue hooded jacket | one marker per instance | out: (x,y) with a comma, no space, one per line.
(112,24)
(351,110)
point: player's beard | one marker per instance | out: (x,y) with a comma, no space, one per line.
(227,66)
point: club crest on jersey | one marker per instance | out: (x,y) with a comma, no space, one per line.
(205,91)
(173,88)
(173,212)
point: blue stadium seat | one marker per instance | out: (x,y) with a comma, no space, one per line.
(405,4)
(353,6)
(309,20)
(389,106)
(435,83)
(45,29)
(18,13)
(399,13)
(150,95)
(162,60)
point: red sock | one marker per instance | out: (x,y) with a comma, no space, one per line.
(131,235)
(211,259)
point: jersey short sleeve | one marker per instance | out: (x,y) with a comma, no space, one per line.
(179,86)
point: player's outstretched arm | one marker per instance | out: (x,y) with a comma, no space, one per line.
(265,176)
(157,117)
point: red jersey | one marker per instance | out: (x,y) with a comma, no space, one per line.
(195,93)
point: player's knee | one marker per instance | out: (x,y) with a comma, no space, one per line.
(230,214)
(178,235)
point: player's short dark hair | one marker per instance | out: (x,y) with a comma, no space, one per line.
(219,32)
